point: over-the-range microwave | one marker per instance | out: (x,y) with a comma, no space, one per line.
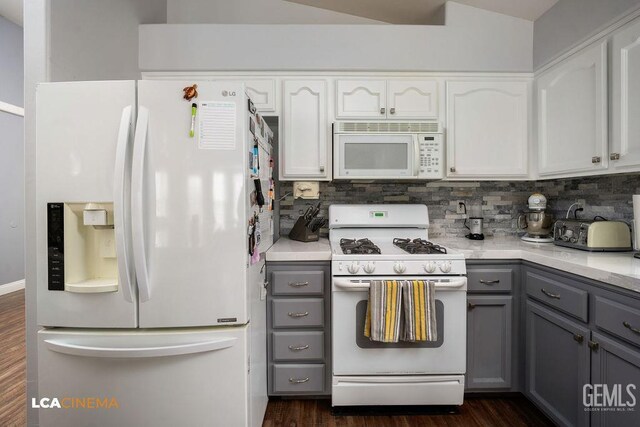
(388,150)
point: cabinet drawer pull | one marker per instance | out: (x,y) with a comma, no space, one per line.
(292,314)
(298,348)
(549,294)
(392,110)
(298,380)
(593,345)
(614,156)
(382,110)
(298,284)
(489,282)
(470,306)
(596,159)
(631,328)
(452,169)
(579,338)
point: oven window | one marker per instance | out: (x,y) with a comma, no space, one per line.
(364,342)
(370,155)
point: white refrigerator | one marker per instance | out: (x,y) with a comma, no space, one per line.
(153,215)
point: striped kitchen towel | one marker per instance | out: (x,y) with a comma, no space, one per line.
(419,310)
(382,322)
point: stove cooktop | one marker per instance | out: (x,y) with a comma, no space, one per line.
(359,246)
(419,246)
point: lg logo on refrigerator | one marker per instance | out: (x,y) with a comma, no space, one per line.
(228,93)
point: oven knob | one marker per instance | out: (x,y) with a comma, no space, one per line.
(399,268)
(369,267)
(445,267)
(353,268)
(430,267)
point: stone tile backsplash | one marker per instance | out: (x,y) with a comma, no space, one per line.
(501,202)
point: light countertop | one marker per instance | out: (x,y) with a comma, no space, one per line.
(286,249)
(616,268)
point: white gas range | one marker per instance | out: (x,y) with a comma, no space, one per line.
(390,242)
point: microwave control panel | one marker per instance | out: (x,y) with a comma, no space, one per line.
(431,156)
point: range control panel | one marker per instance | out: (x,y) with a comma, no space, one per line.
(431,156)
(55,246)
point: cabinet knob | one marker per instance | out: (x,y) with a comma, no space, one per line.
(321,168)
(452,169)
(593,345)
(614,156)
(596,159)
(382,110)
(579,338)
(470,306)
(392,110)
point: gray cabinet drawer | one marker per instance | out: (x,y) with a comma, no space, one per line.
(297,379)
(294,346)
(618,319)
(565,298)
(297,312)
(297,282)
(490,279)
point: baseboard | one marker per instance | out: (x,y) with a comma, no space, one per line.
(11,287)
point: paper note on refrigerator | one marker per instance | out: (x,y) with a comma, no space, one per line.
(217,128)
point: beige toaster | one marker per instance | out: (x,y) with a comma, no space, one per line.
(592,235)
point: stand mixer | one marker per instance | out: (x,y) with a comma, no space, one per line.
(536,222)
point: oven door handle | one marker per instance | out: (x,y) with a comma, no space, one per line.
(350,284)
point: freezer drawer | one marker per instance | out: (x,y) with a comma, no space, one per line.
(166,378)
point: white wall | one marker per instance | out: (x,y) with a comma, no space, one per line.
(98,39)
(254,12)
(569,22)
(472,40)
(12,157)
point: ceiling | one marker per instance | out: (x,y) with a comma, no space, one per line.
(12,10)
(418,12)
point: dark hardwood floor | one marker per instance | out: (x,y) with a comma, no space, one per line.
(13,396)
(502,411)
(481,412)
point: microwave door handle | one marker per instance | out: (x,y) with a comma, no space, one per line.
(416,159)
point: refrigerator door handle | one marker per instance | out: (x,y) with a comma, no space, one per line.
(139,352)
(124,268)
(137,200)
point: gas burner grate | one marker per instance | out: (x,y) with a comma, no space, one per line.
(419,246)
(360,246)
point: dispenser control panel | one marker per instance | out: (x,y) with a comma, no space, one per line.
(55,246)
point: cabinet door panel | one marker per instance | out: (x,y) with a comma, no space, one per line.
(615,364)
(487,129)
(572,114)
(626,98)
(412,99)
(489,342)
(359,99)
(305,130)
(263,94)
(557,361)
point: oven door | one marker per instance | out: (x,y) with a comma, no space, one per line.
(355,354)
(375,156)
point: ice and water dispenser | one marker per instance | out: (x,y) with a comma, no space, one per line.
(81,247)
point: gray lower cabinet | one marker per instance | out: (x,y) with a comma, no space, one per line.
(299,328)
(615,370)
(558,364)
(489,341)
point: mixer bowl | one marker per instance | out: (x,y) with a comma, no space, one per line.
(536,223)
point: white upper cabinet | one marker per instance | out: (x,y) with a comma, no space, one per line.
(263,93)
(572,115)
(625,113)
(412,99)
(361,99)
(487,129)
(306,136)
(373,99)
